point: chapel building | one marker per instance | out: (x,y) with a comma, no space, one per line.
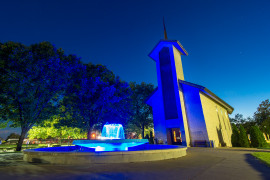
(185,113)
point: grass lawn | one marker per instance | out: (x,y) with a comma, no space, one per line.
(263,156)
(29,146)
(6,148)
(266,147)
(10,152)
(14,145)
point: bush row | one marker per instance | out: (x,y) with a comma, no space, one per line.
(240,139)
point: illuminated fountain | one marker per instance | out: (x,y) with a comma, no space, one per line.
(111,148)
(112,139)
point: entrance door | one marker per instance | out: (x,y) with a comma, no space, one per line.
(176,136)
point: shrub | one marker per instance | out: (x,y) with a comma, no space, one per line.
(55,145)
(146,137)
(256,137)
(243,139)
(235,136)
(151,139)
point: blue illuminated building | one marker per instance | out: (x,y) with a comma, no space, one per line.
(185,113)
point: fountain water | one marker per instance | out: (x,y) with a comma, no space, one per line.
(112,131)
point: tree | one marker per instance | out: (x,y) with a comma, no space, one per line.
(243,139)
(262,116)
(48,129)
(238,119)
(13,136)
(265,126)
(256,137)
(235,136)
(142,113)
(3,124)
(95,97)
(151,138)
(33,81)
(247,123)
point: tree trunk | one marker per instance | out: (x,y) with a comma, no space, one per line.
(143,132)
(20,142)
(59,141)
(89,133)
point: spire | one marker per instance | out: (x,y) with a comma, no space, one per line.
(165,33)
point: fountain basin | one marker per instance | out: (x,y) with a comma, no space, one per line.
(113,148)
(76,155)
(110,144)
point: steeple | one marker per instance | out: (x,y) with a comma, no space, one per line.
(166,99)
(154,54)
(165,33)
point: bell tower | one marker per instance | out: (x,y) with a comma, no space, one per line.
(170,111)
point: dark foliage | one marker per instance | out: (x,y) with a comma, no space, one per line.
(151,138)
(13,136)
(247,123)
(235,136)
(142,113)
(33,82)
(146,136)
(243,139)
(238,119)
(262,116)
(256,137)
(95,97)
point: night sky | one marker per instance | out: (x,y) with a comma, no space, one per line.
(227,41)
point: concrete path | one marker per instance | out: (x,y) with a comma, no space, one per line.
(200,163)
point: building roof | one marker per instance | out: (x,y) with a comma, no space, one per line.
(163,43)
(204,90)
(210,94)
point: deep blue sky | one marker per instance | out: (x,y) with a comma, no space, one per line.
(227,41)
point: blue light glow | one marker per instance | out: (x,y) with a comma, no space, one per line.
(112,139)
(110,144)
(194,112)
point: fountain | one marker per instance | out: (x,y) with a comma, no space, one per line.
(112,139)
(111,148)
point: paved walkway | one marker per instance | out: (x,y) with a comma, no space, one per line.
(200,163)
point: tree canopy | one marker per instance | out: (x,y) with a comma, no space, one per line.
(96,97)
(142,113)
(39,83)
(235,136)
(247,123)
(243,139)
(33,81)
(262,116)
(13,136)
(48,129)
(256,137)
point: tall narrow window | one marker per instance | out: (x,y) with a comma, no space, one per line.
(168,93)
